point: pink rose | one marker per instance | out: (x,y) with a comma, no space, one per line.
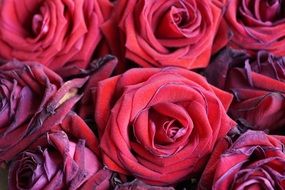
(56,161)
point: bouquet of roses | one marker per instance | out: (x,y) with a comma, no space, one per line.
(142,94)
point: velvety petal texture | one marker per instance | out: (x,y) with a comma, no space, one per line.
(33,98)
(257,25)
(59,34)
(142,94)
(164,33)
(56,161)
(159,125)
(257,84)
(254,161)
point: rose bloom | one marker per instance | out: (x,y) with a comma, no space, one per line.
(59,34)
(163,33)
(254,161)
(56,161)
(33,98)
(159,125)
(257,84)
(257,25)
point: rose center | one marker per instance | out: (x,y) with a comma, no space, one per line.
(180,18)
(266,10)
(270,10)
(173,21)
(39,25)
(168,130)
(271,2)
(172,129)
(25,174)
(25,178)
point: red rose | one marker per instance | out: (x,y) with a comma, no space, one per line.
(257,25)
(32,99)
(257,84)
(59,34)
(56,161)
(163,33)
(254,161)
(159,125)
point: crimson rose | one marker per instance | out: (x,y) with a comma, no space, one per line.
(159,125)
(166,32)
(59,34)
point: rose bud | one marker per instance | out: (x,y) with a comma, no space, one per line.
(164,33)
(254,161)
(257,84)
(59,34)
(159,125)
(33,98)
(56,162)
(139,185)
(257,25)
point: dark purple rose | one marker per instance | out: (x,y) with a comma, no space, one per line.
(59,160)
(33,98)
(258,86)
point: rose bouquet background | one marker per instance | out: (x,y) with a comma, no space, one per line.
(142,94)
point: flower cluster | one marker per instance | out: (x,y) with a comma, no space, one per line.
(142,94)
